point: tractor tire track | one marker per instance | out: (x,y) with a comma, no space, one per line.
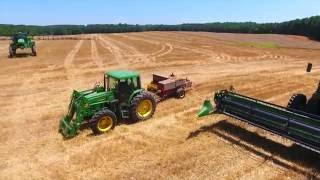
(95,54)
(122,52)
(115,51)
(212,55)
(131,53)
(166,48)
(129,49)
(68,62)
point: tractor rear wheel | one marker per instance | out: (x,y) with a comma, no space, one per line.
(34,50)
(142,106)
(103,121)
(313,105)
(298,102)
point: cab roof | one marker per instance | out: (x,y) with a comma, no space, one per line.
(122,74)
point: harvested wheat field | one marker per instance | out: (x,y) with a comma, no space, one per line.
(174,144)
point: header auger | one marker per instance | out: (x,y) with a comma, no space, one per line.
(299,121)
(298,126)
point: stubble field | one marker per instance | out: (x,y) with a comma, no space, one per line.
(174,144)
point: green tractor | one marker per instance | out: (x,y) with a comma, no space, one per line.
(21,41)
(121,98)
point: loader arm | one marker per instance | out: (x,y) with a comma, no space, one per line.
(71,107)
(68,125)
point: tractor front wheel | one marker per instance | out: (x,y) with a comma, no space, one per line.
(103,121)
(313,105)
(11,52)
(34,50)
(142,106)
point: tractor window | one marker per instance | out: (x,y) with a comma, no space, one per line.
(112,83)
(135,83)
(20,36)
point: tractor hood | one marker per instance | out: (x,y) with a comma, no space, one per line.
(95,97)
(21,41)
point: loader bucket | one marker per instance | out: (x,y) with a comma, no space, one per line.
(66,128)
(206,109)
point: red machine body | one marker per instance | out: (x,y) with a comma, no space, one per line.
(171,86)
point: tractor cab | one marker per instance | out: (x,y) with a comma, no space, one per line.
(122,83)
(20,35)
(20,38)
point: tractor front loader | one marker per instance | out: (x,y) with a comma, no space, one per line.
(121,98)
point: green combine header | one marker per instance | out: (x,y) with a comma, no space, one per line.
(297,125)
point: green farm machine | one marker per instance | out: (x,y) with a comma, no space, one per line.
(21,41)
(120,98)
(299,121)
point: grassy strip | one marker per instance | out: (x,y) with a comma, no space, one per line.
(267,45)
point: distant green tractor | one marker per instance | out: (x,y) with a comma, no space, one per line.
(120,98)
(21,41)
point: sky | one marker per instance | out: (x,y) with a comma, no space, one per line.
(49,12)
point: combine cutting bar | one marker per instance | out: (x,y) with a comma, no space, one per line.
(300,127)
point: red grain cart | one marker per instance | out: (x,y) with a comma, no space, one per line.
(171,86)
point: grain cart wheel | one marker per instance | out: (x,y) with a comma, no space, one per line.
(181,93)
(34,50)
(297,101)
(142,106)
(103,121)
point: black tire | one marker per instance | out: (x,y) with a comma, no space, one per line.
(34,50)
(97,122)
(181,93)
(313,105)
(146,98)
(298,102)
(11,52)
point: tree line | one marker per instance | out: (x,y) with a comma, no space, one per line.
(307,27)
